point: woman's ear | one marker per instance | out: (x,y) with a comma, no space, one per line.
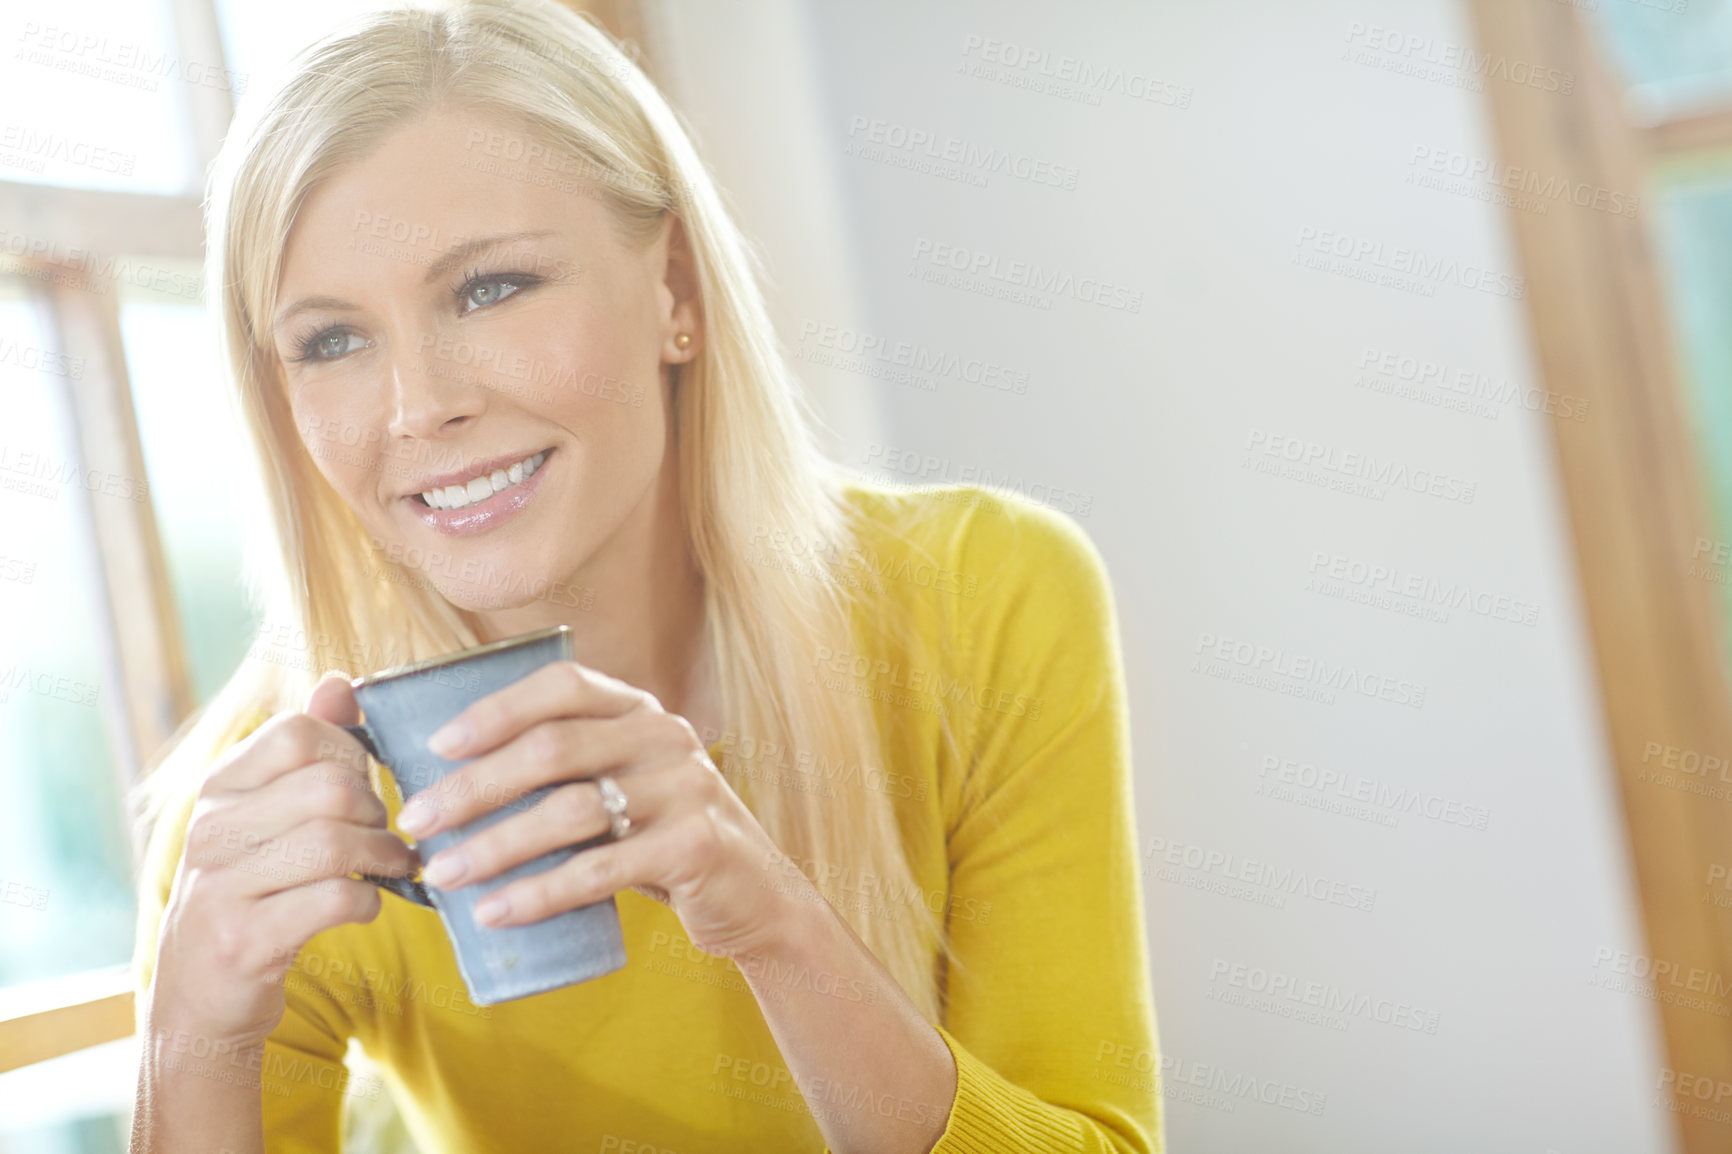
(683,321)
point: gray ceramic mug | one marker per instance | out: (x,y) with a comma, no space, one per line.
(401,709)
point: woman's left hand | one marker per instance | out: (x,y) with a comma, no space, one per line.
(693,845)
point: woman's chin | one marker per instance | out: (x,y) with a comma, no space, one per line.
(475,599)
(484,602)
(480,597)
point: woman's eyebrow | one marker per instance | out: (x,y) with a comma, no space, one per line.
(451,257)
(469,248)
(306,303)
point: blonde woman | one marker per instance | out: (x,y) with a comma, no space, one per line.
(505,365)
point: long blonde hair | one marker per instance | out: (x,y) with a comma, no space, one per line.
(748,456)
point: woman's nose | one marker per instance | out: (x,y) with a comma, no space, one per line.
(430,396)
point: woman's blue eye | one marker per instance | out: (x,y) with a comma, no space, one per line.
(480,291)
(330,344)
(487,292)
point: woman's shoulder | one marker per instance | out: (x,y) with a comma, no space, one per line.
(985,544)
(1030,621)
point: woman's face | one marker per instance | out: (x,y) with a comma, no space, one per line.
(476,359)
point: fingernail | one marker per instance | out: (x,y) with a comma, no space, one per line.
(451,737)
(445,868)
(416,818)
(492,910)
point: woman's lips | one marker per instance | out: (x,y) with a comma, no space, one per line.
(483,516)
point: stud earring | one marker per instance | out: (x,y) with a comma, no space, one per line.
(683,341)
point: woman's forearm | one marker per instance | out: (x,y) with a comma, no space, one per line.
(875,1074)
(196,1095)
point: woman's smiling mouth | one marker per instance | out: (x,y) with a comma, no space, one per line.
(485,499)
(483,485)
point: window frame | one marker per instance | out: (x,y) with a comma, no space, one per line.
(141,649)
(1634,493)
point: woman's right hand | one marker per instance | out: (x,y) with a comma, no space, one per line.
(280,822)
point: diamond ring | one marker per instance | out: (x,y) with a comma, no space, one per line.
(613,800)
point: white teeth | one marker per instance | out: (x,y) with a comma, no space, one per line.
(482,487)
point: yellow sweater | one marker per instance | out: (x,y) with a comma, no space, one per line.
(1027,840)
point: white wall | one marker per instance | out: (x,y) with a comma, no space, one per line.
(1147,416)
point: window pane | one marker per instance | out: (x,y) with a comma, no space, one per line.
(259,40)
(93,94)
(80,1103)
(1694,226)
(66,901)
(200,481)
(1675,55)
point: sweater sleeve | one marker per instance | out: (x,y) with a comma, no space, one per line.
(1049,1012)
(301,1075)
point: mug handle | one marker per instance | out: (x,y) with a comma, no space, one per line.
(408,889)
